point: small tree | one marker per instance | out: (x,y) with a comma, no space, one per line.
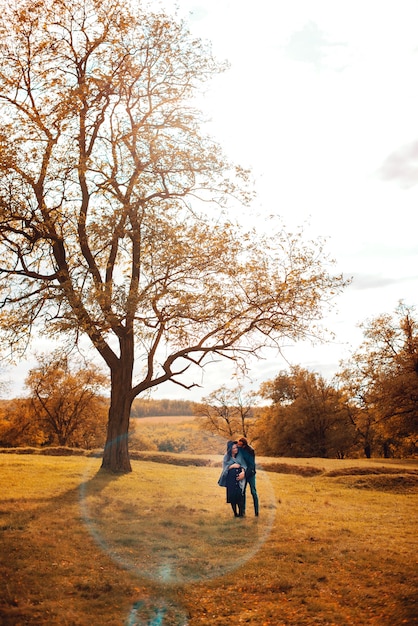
(227,412)
(18,426)
(110,196)
(66,403)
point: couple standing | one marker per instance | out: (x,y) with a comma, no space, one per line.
(238,469)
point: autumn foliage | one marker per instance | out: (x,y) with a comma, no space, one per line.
(116,207)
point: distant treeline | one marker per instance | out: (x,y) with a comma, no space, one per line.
(145,408)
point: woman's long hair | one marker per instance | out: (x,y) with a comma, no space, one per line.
(229,449)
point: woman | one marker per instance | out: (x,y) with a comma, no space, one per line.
(233,478)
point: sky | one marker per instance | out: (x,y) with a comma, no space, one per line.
(321,102)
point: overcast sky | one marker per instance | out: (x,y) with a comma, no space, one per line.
(321,102)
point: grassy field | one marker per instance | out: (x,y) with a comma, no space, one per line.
(168,420)
(335,543)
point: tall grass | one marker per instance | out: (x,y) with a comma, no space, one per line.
(160,545)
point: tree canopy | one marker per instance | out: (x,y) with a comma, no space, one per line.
(227,412)
(308,417)
(67,402)
(381,378)
(114,206)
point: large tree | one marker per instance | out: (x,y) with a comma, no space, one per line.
(110,206)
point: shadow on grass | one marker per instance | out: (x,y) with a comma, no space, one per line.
(171,531)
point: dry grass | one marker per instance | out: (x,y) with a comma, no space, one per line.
(162,419)
(160,546)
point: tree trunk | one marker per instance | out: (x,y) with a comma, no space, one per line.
(116,451)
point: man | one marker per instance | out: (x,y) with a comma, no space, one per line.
(248,453)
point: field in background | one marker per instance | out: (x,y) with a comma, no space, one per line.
(174,434)
(162,419)
(335,543)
